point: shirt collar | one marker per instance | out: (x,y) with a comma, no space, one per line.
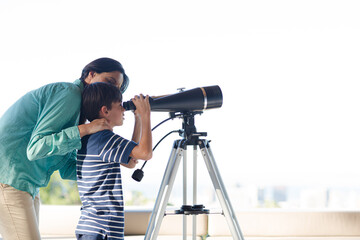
(80,84)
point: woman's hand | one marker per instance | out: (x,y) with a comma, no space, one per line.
(96,125)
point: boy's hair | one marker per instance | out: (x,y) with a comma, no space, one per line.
(97,95)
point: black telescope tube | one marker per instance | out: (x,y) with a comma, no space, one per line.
(197,99)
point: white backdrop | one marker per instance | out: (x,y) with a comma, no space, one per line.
(289,72)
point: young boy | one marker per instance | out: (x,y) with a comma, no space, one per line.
(99,160)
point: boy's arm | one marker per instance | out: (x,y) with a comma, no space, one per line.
(137,128)
(113,148)
(144,149)
(135,137)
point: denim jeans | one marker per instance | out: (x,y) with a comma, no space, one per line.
(90,237)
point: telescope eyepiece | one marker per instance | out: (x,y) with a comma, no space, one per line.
(129,105)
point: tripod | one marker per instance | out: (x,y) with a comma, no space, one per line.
(191,137)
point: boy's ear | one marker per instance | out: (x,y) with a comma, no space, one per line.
(103,111)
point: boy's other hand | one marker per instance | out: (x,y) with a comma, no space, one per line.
(131,164)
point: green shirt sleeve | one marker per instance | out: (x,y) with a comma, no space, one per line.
(56,131)
(68,171)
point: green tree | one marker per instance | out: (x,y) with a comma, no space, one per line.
(60,192)
(137,198)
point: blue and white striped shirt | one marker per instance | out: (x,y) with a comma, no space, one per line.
(99,184)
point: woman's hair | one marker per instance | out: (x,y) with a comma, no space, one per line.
(105,65)
(95,96)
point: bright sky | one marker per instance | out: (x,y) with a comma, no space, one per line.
(289,72)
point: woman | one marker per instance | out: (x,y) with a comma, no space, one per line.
(40,134)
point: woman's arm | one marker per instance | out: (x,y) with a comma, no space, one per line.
(56,131)
(68,171)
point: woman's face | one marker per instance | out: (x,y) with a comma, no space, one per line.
(115,78)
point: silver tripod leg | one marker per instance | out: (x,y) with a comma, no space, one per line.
(220,190)
(194,190)
(165,190)
(184,192)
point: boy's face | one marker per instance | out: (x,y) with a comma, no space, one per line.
(115,115)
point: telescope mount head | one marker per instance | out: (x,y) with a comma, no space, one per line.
(188,131)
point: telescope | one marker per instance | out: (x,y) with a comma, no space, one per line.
(187,104)
(197,99)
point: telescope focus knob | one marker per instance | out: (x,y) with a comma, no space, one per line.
(181,89)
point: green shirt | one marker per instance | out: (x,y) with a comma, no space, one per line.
(39,135)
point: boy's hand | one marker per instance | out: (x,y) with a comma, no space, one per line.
(142,105)
(96,125)
(131,164)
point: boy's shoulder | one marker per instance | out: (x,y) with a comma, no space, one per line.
(93,142)
(104,134)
